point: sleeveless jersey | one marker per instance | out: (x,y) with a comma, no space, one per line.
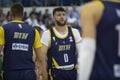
(107,59)
(19,39)
(62,50)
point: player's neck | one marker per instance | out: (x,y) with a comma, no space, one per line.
(61,29)
(17,19)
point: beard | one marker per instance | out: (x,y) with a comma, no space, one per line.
(61,23)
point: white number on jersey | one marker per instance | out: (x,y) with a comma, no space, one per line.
(66,58)
(118,28)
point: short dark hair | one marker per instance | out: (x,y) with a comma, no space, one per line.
(58,9)
(17,10)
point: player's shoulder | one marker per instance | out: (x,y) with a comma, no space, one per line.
(93,3)
(1,27)
(75,31)
(92,6)
(9,23)
(47,31)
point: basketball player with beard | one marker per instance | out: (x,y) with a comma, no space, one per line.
(60,44)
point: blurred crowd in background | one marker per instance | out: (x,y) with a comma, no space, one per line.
(29,3)
(44,20)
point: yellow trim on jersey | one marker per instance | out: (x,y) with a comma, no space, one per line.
(49,72)
(37,42)
(55,63)
(17,21)
(113,0)
(109,0)
(100,4)
(73,35)
(49,45)
(77,68)
(66,34)
(2,37)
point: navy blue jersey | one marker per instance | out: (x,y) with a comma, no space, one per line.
(107,59)
(19,39)
(62,50)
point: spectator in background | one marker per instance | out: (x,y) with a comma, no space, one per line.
(34,9)
(2,16)
(76,14)
(25,16)
(46,15)
(49,24)
(42,26)
(75,11)
(67,11)
(7,19)
(32,19)
(39,16)
(49,21)
(72,20)
(40,22)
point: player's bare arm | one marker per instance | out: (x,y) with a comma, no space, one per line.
(90,15)
(42,61)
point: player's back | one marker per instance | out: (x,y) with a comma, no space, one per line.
(19,38)
(107,59)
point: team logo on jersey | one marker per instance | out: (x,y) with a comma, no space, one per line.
(71,39)
(53,38)
(118,12)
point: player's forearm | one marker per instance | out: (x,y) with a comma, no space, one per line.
(41,57)
(43,69)
(86,57)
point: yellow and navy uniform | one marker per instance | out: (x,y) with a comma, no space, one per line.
(61,56)
(18,39)
(107,59)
